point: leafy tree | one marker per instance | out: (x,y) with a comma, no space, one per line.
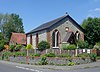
(82,44)
(92,29)
(10,23)
(2,42)
(43,45)
(28,47)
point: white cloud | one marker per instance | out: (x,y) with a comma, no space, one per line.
(97,9)
(93,10)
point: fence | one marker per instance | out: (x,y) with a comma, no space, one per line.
(70,52)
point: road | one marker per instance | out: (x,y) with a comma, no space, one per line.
(7,67)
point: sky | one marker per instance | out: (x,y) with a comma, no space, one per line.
(37,12)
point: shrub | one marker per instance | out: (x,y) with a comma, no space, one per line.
(50,55)
(43,45)
(37,55)
(11,48)
(64,46)
(82,44)
(43,61)
(18,47)
(98,57)
(1,47)
(93,57)
(6,55)
(20,54)
(70,47)
(83,55)
(71,63)
(29,46)
(97,46)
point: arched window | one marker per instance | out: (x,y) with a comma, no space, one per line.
(77,34)
(55,39)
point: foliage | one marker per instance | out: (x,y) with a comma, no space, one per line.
(6,47)
(20,54)
(43,61)
(18,47)
(43,45)
(10,23)
(50,55)
(71,63)
(6,55)
(82,44)
(98,57)
(83,55)
(97,46)
(11,48)
(2,42)
(92,29)
(29,46)
(37,55)
(70,47)
(63,55)
(1,47)
(93,57)
(64,46)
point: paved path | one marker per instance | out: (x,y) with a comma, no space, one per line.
(16,67)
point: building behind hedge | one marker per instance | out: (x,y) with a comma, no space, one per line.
(58,31)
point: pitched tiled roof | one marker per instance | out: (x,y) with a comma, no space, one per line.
(51,23)
(18,38)
(48,24)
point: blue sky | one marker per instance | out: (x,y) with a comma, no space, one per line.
(37,12)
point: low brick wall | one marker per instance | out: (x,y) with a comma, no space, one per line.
(55,60)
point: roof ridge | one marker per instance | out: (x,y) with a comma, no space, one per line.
(48,24)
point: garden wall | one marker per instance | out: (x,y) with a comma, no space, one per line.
(54,60)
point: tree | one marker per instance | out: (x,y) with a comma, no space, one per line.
(92,29)
(82,44)
(2,42)
(29,46)
(43,45)
(10,23)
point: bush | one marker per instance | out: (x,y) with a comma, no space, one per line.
(64,46)
(98,57)
(37,55)
(83,55)
(20,54)
(5,55)
(11,48)
(68,47)
(50,55)
(1,47)
(93,57)
(29,46)
(97,46)
(43,45)
(82,44)
(43,61)
(71,63)
(18,47)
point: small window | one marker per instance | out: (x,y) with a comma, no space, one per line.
(66,28)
